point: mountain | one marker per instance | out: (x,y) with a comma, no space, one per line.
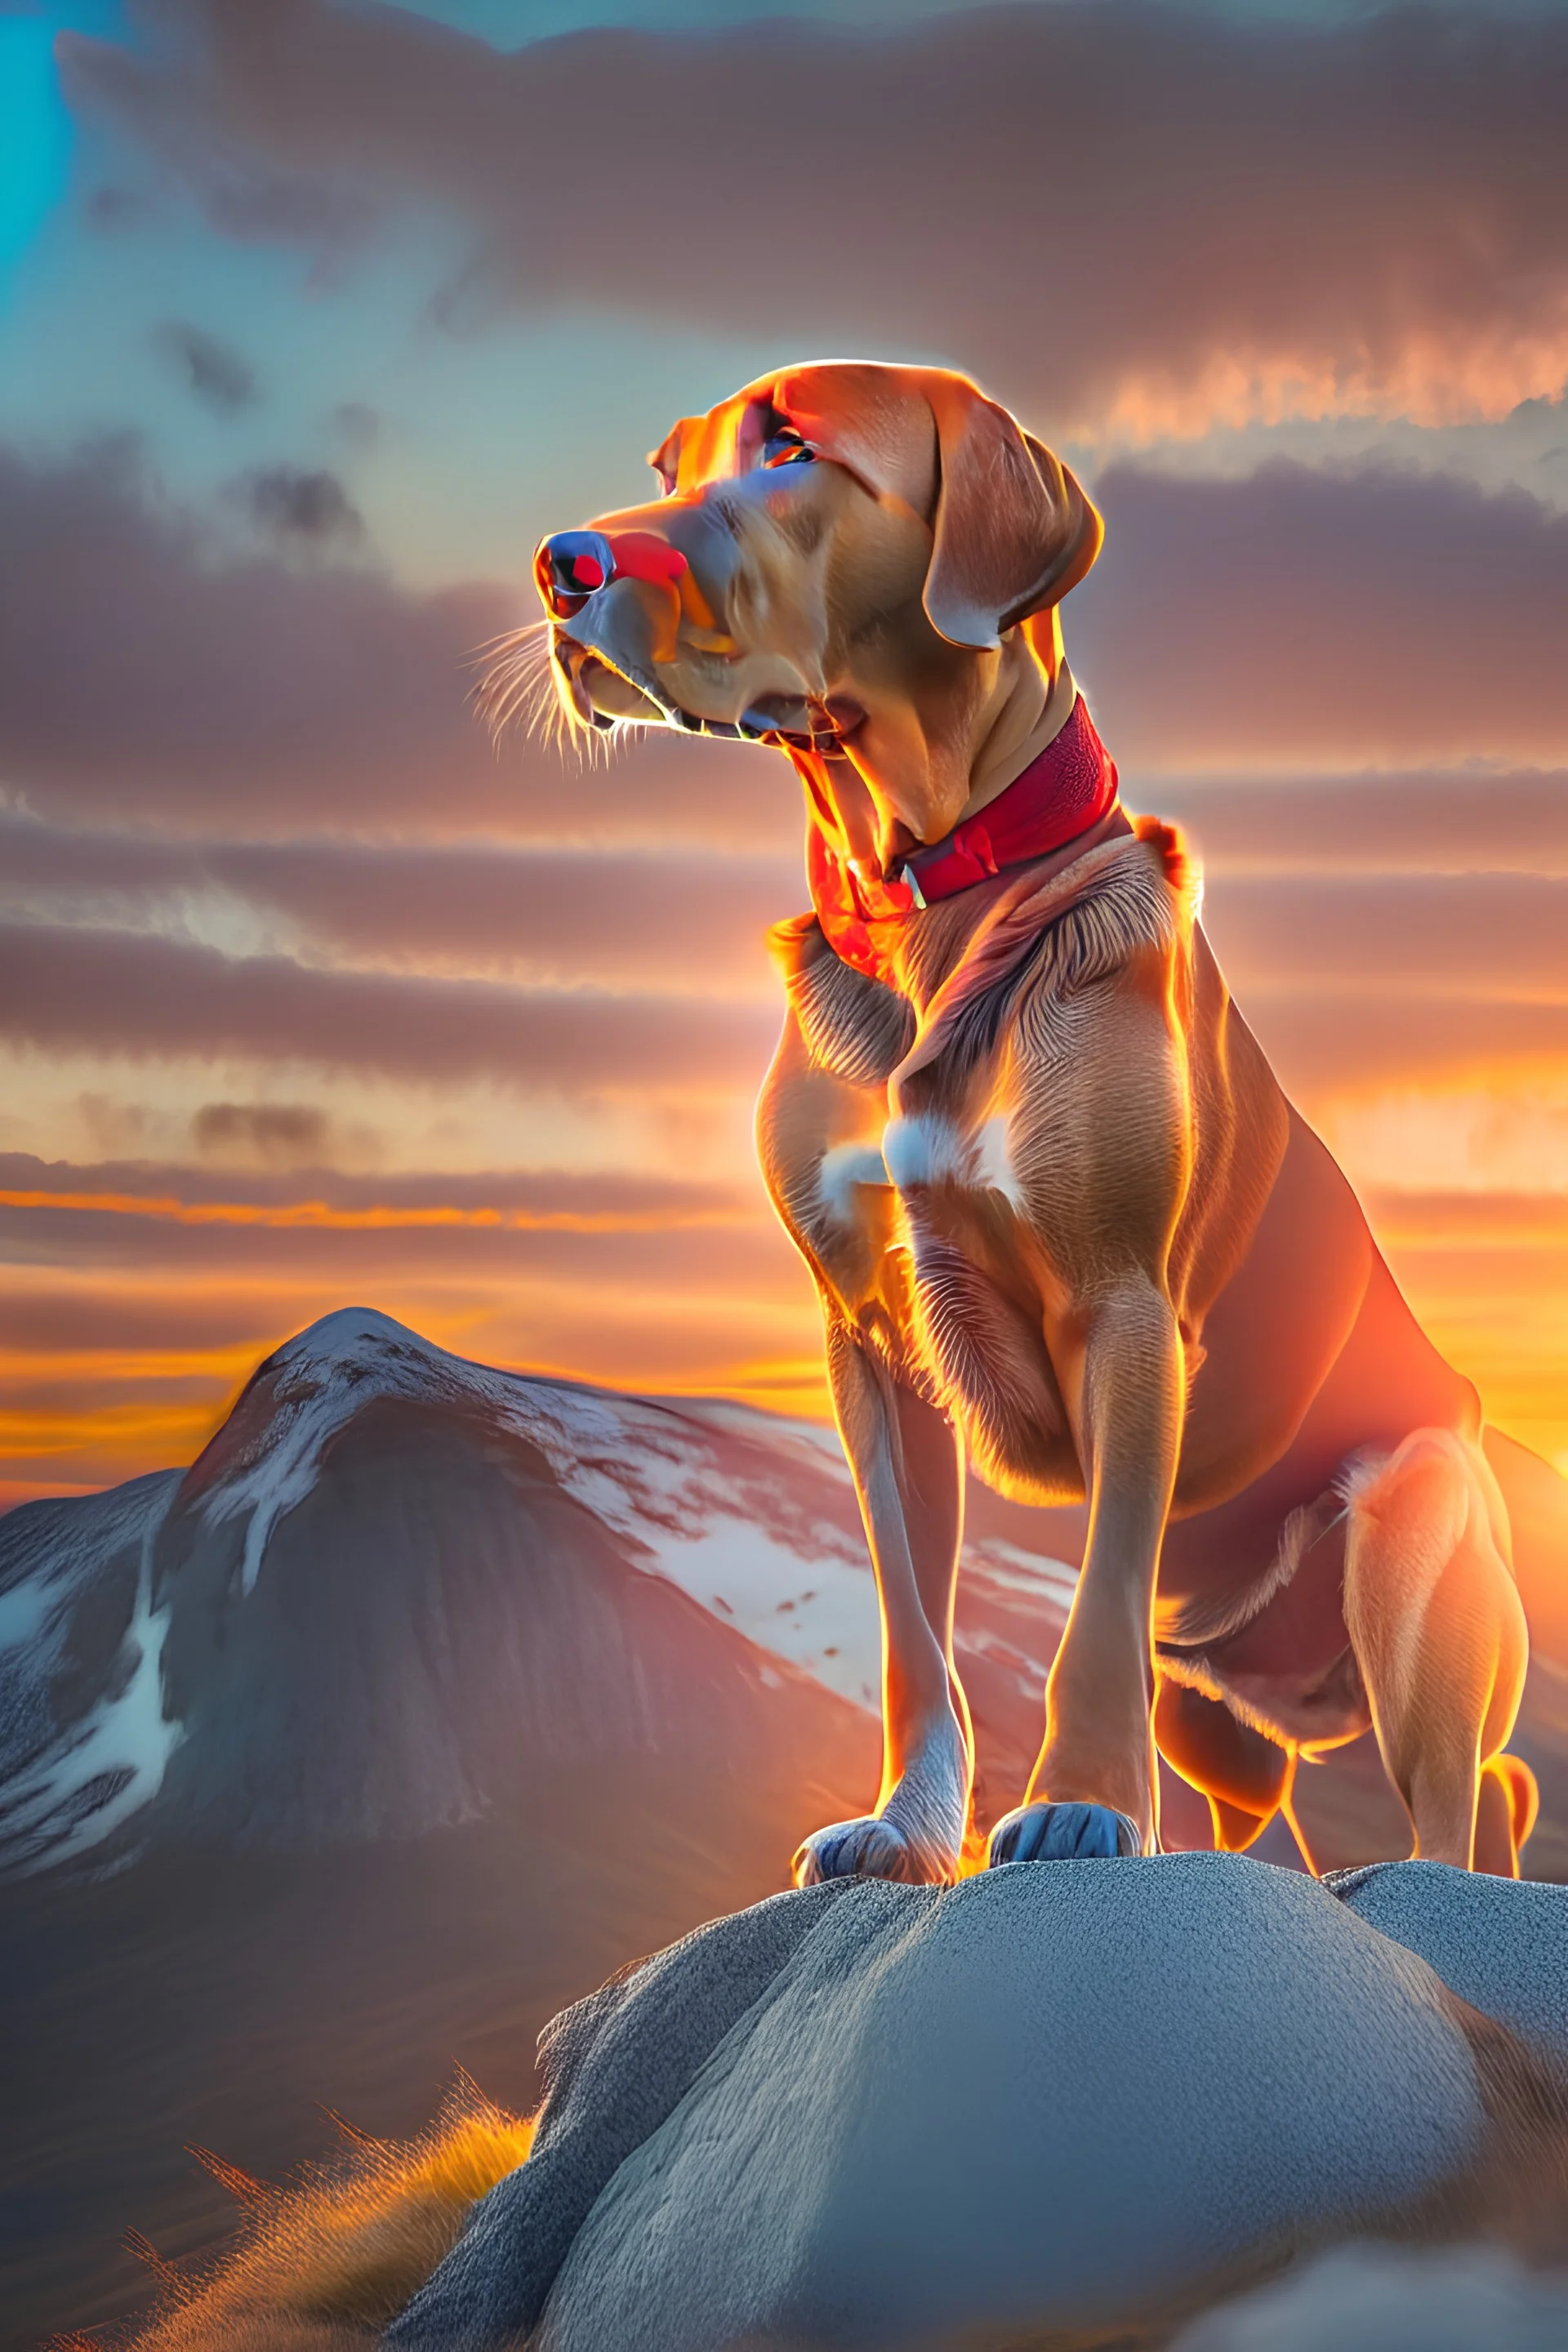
(426,1697)
(396,1587)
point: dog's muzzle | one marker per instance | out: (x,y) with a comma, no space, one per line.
(572,565)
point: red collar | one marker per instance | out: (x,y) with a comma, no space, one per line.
(1069,787)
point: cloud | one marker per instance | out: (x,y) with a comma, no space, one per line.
(1288,618)
(115,992)
(1127,214)
(601,1244)
(143,676)
(140,671)
(214,374)
(301,506)
(525,1198)
(1325,1046)
(357,423)
(1298,615)
(59,1317)
(1287,899)
(1498,821)
(1522,1223)
(679,919)
(1498,936)
(598,1229)
(281,1135)
(1399,982)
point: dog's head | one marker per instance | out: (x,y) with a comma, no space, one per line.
(858,559)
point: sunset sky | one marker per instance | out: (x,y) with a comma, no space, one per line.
(314,317)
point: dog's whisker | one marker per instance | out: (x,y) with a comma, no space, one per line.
(519,685)
(517,655)
(529,631)
(505,688)
(520,680)
(514,653)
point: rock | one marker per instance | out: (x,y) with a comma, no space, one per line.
(1044,2096)
(1394,2299)
(1502,1945)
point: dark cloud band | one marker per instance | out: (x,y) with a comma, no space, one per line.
(113,993)
(1127,209)
(1367,618)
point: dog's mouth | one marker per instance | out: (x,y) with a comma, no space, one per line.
(597,694)
(604,695)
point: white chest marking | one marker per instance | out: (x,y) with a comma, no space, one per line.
(994,1161)
(927,1149)
(839,1170)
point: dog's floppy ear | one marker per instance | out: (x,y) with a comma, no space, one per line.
(666,459)
(1013,529)
(700,449)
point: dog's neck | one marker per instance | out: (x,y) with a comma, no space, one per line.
(890,927)
(1036,705)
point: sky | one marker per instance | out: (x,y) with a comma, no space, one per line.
(314,317)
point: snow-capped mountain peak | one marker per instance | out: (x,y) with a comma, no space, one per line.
(225,1607)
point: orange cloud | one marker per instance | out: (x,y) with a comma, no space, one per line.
(132,1315)
(294,1215)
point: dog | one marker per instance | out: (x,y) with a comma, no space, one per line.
(1062,1219)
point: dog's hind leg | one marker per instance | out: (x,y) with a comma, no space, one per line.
(1508,1804)
(1439,1635)
(1246,1778)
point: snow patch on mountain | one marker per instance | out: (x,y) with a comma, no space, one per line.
(820,1612)
(63,1787)
(112,1762)
(725,1504)
(753,1517)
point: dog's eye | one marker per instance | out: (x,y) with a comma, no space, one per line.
(786,448)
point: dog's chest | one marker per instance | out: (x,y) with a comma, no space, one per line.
(967,1301)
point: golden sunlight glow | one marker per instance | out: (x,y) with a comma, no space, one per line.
(1430,379)
(294,1215)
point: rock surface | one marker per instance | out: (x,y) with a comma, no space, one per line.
(1502,1945)
(874,2115)
(1394,2299)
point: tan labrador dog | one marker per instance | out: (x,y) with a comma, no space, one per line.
(1061,1217)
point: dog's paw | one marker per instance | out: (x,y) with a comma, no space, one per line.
(917,1836)
(1063,1833)
(868,1848)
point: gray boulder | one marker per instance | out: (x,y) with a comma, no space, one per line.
(871,2114)
(1364,2298)
(1500,1944)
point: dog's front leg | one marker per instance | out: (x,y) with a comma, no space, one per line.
(1107,1139)
(1098,1745)
(908,1473)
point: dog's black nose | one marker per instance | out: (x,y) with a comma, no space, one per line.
(569,567)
